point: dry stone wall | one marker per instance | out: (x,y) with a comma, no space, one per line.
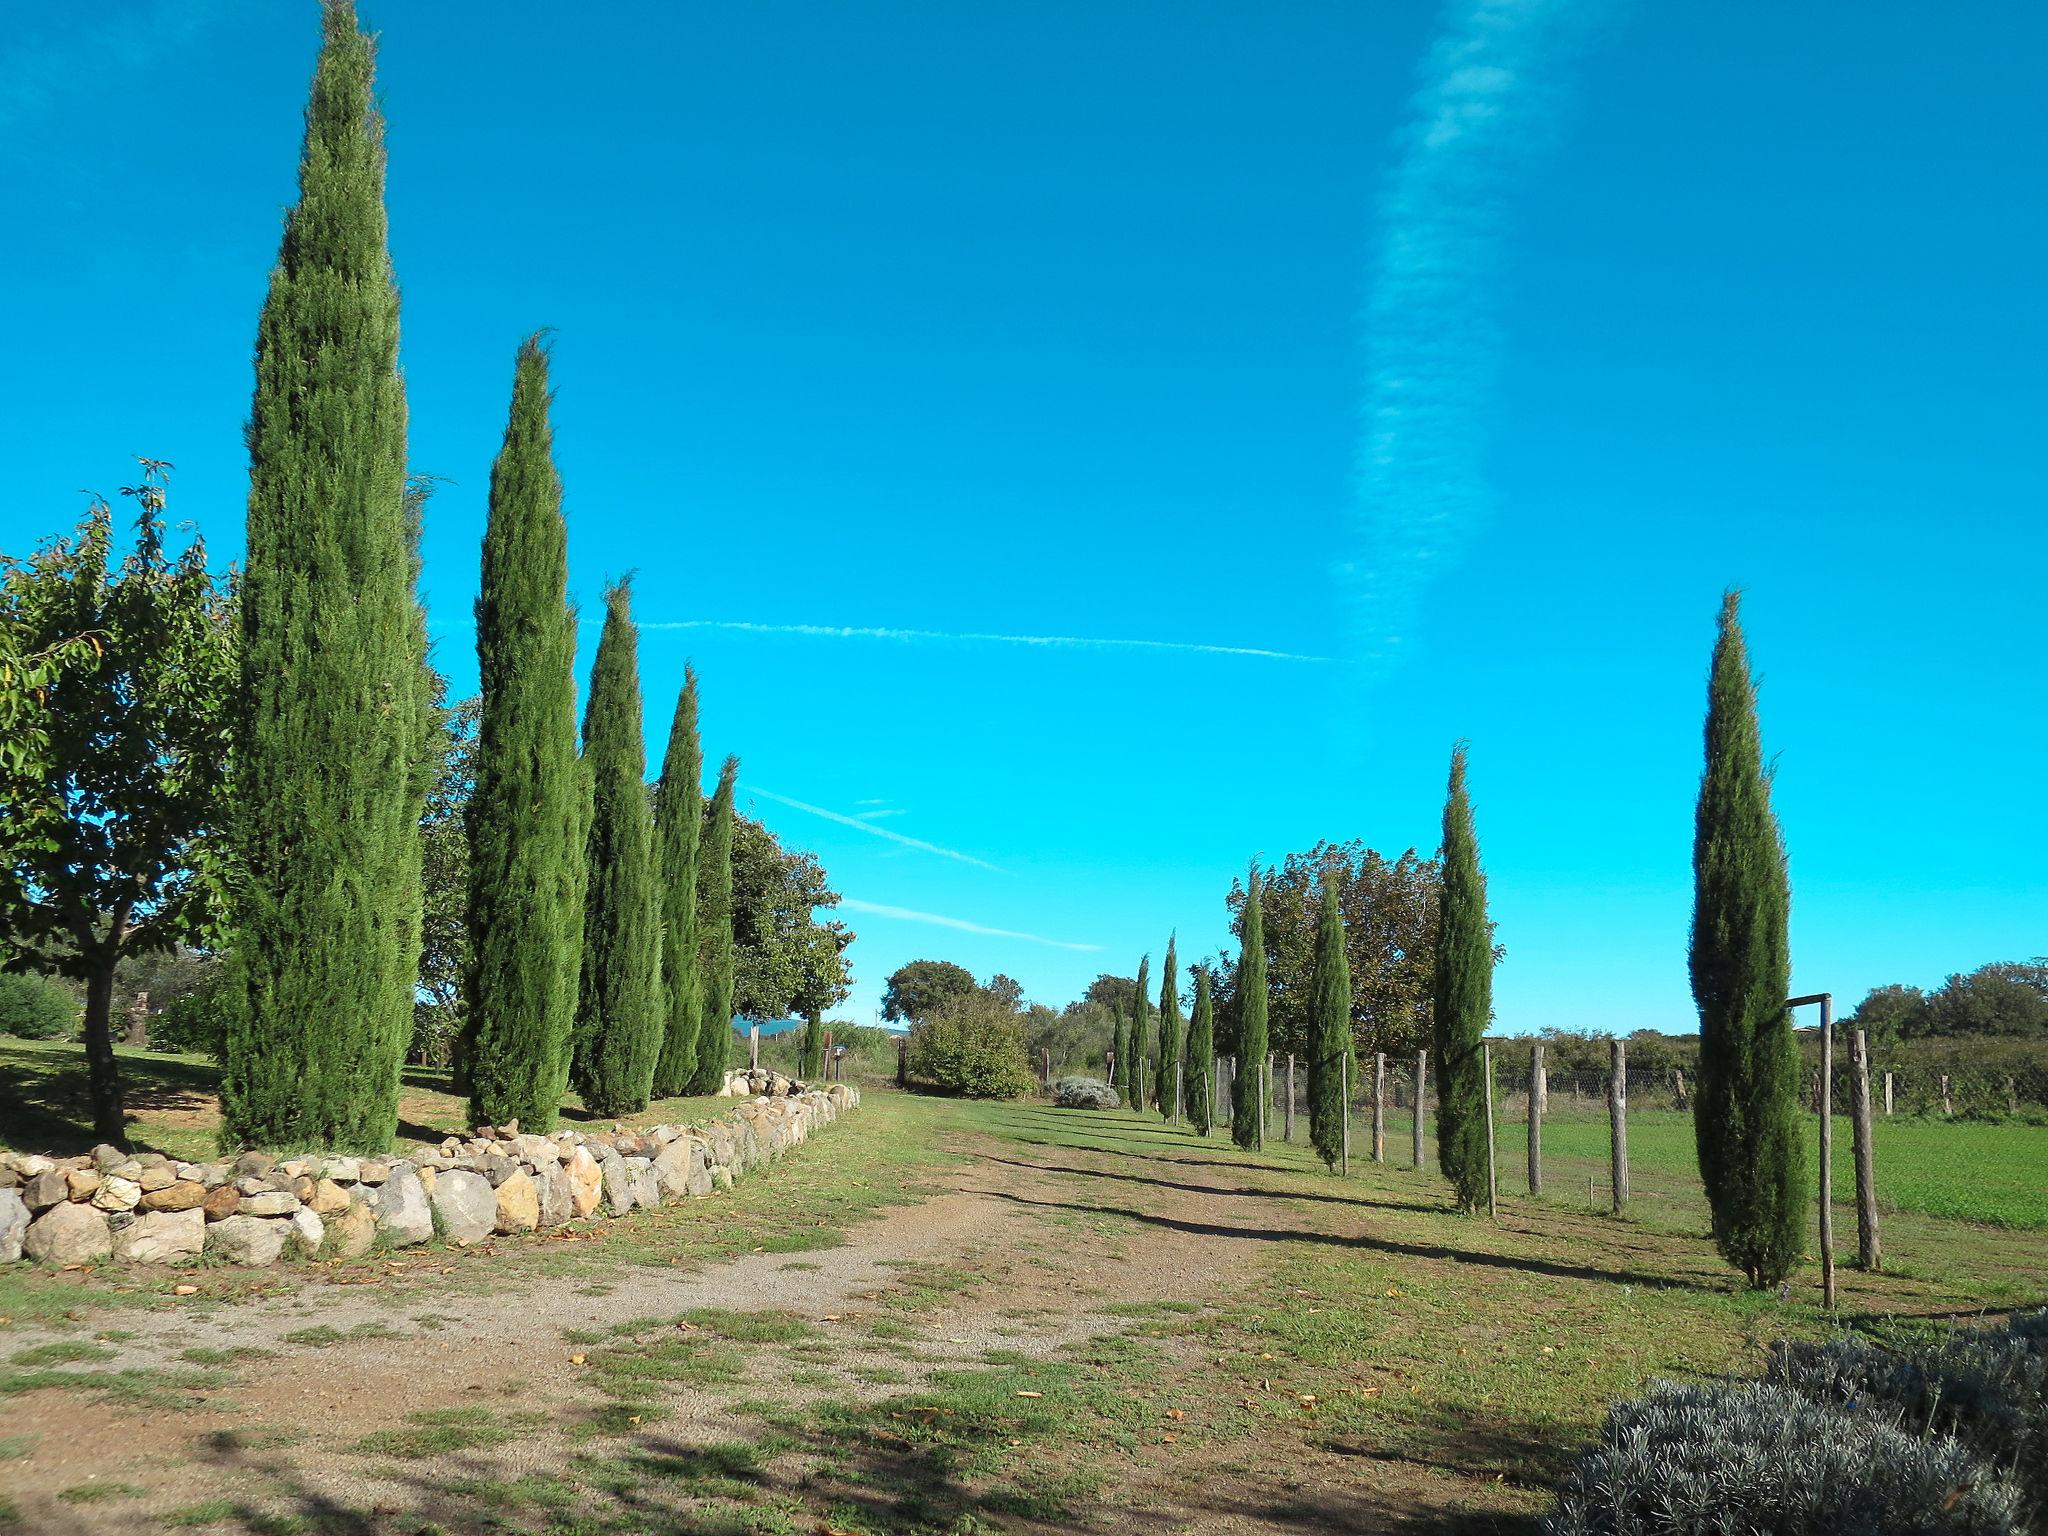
(257,1209)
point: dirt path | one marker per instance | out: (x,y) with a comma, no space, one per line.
(1024,1250)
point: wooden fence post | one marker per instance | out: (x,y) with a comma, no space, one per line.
(825,1055)
(1887,1095)
(1421,1087)
(1492,1172)
(1868,1252)
(1825,1104)
(1379,1106)
(1539,1094)
(1289,1133)
(1947,1105)
(754,1046)
(1617,1117)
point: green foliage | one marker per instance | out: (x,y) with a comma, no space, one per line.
(811,1049)
(1201,1070)
(784,960)
(618,1014)
(1166,1072)
(715,934)
(1330,1018)
(527,817)
(111,838)
(1133,1085)
(2005,998)
(36,1008)
(197,1019)
(438,1008)
(1746,1107)
(330,746)
(973,1046)
(1464,999)
(1247,1109)
(920,989)
(678,831)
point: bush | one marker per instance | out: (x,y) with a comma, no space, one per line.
(1702,1461)
(1084,1093)
(1986,1387)
(973,1045)
(37,1008)
(194,1021)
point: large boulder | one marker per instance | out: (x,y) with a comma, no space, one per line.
(518,1203)
(1084,1093)
(46,1189)
(353,1232)
(618,1183)
(252,1240)
(467,1206)
(71,1233)
(646,1188)
(13,1223)
(162,1237)
(586,1181)
(557,1197)
(403,1215)
(178,1195)
(682,1169)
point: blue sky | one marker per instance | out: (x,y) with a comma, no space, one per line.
(1473,349)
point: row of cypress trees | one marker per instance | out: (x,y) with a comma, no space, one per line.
(601,926)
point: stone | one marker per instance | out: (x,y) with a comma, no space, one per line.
(270,1202)
(295,1167)
(162,1237)
(586,1181)
(466,1205)
(618,1184)
(646,1188)
(35,1163)
(353,1231)
(302,1189)
(157,1176)
(427,1178)
(81,1183)
(117,1194)
(518,1203)
(252,1184)
(497,1169)
(370,1171)
(721,1177)
(403,1214)
(682,1169)
(105,1157)
(308,1229)
(13,1223)
(46,1189)
(328,1198)
(222,1203)
(557,1197)
(343,1170)
(69,1233)
(254,1163)
(248,1239)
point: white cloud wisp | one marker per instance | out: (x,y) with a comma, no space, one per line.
(869,827)
(937,920)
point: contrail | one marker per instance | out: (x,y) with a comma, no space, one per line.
(1077,642)
(1491,96)
(876,909)
(869,827)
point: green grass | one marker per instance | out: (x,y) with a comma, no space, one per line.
(442,1431)
(62,1352)
(322,1336)
(94,1493)
(212,1512)
(15,1447)
(142,1387)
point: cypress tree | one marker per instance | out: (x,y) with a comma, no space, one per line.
(618,1016)
(1746,1112)
(1247,1095)
(330,757)
(1464,999)
(714,935)
(526,817)
(1329,1023)
(678,830)
(1166,1075)
(1120,1026)
(1141,1027)
(1201,1054)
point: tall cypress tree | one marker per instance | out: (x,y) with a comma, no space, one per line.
(714,935)
(678,831)
(1329,1023)
(1464,999)
(618,1015)
(330,742)
(1746,1112)
(1166,1074)
(1248,1088)
(1120,1024)
(1201,1053)
(526,818)
(1141,1027)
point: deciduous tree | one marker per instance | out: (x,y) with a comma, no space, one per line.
(919,989)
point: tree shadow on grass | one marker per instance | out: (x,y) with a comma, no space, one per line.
(1246,1191)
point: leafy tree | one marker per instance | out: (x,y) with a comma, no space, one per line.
(438,1009)
(1006,990)
(618,1014)
(1889,1012)
(716,929)
(784,960)
(1078,1038)
(2004,998)
(330,747)
(678,830)
(1746,1111)
(110,826)
(36,1007)
(1464,1000)
(1112,992)
(971,1044)
(528,822)
(1201,1075)
(1330,1016)
(1166,1075)
(1247,1109)
(919,989)
(1135,1088)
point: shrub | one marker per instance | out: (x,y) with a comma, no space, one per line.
(1986,1387)
(1701,1461)
(194,1021)
(1084,1093)
(37,1008)
(974,1046)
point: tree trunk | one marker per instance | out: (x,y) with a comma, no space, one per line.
(104,1073)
